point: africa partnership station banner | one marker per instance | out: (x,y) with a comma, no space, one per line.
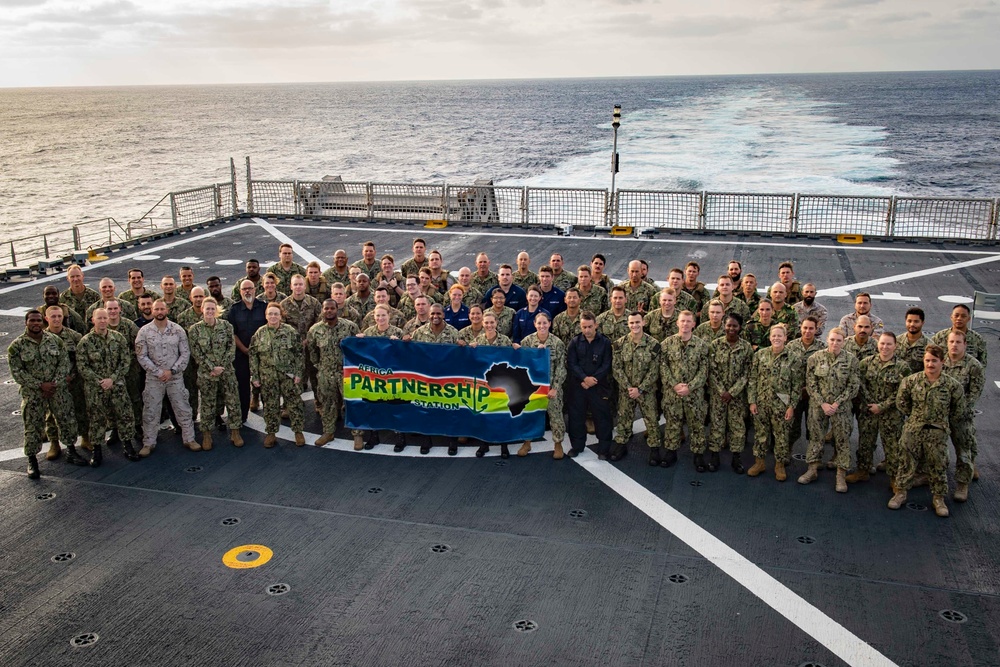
(496,394)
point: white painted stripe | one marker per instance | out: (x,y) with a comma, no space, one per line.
(699,242)
(285,238)
(840,291)
(116,259)
(835,637)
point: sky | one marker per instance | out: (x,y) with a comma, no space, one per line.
(131,42)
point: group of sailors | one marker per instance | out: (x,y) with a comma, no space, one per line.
(91,361)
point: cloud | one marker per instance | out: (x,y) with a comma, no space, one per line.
(849,4)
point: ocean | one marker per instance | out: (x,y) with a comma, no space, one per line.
(75,154)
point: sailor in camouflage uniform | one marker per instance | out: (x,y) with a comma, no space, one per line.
(969,373)
(490,337)
(758,330)
(300,311)
(910,348)
(635,365)
(683,300)
(323,346)
(276,366)
(524,277)
(711,326)
(39,362)
(748,292)
(471,332)
(881,375)
(931,401)
(593,297)
(176,304)
(861,344)
(775,384)
(285,268)
(566,324)
(662,323)
(71,318)
(974,343)
(730,359)
(730,304)
(832,379)
(639,295)
(614,323)
(684,371)
(214,350)
(107,287)
(504,315)
(695,288)
(78,296)
(784,312)
(54,315)
(543,338)
(134,378)
(805,346)
(439,331)
(104,357)
(340,270)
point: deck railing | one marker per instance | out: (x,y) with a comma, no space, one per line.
(483,203)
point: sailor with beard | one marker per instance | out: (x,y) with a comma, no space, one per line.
(809,307)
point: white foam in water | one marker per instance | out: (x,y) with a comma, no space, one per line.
(759,139)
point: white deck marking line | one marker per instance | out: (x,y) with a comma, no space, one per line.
(285,238)
(907,276)
(835,637)
(115,259)
(764,244)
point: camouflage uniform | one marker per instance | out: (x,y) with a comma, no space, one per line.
(930,409)
(499,341)
(278,298)
(505,320)
(816,310)
(129,297)
(831,379)
(188,319)
(80,303)
(613,326)
(700,296)
(758,334)
(786,315)
(31,364)
(566,327)
(860,351)
(71,339)
(407,308)
(879,383)
(682,361)
(177,307)
(71,318)
(658,326)
(684,301)
(524,282)
(433,295)
(557,373)
(360,306)
(802,406)
(134,378)
(793,293)
(912,353)
(213,346)
(848,321)
(323,344)
(320,291)
(396,319)
(373,332)
(411,267)
(448,335)
(970,375)
(707,334)
(484,284)
(301,315)
(752,301)
(640,298)
(975,345)
(275,359)
(472,297)
(372,271)
(285,275)
(413,324)
(332,275)
(596,301)
(637,365)
(728,370)
(735,306)
(775,384)
(107,356)
(564,280)
(129,312)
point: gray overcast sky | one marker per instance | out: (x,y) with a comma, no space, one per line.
(117,42)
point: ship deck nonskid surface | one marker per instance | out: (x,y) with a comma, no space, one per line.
(394,558)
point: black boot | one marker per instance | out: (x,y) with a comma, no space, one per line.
(399,446)
(668,458)
(33,471)
(95,461)
(618,452)
(713,461)
(482,451)
(504,452)
(73,456)
(425,449)
(654,456)
(699,462)
(737,464)
(452,449)
(129,451)
(115,438)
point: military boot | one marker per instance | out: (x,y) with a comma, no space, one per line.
(300,439)
(759,466)
(85,443)
(483,449)
(96,457)
(129,451)
(270,440)
(654,456)
(859,475)
(235,436)
(940,508)
(779,471)
(737,464)
(810,475)
(54,451)
(323,439)
(699,462)
(33,471)
(557,450)
(668,458)
(898,499)
(841,486)
(713,461)
(525,448)
(961,493)
(359,443)
(206,440)
(504,452)
(975,474)
(73,456)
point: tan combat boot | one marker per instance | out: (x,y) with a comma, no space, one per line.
(270,440)
(858,475)
(323,439)
(757,468)
(841,486)
(779,471)
(85,443)
(359,443)
(193,446)
(810,475)
(939,506)
(206,440)
(898,499)
(54,451)
(300,439)
(557,450)
(525,448)
(235,436)
(961,493)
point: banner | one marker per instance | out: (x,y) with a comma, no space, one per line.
(495,394)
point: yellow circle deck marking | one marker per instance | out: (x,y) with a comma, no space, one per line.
(247,556)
